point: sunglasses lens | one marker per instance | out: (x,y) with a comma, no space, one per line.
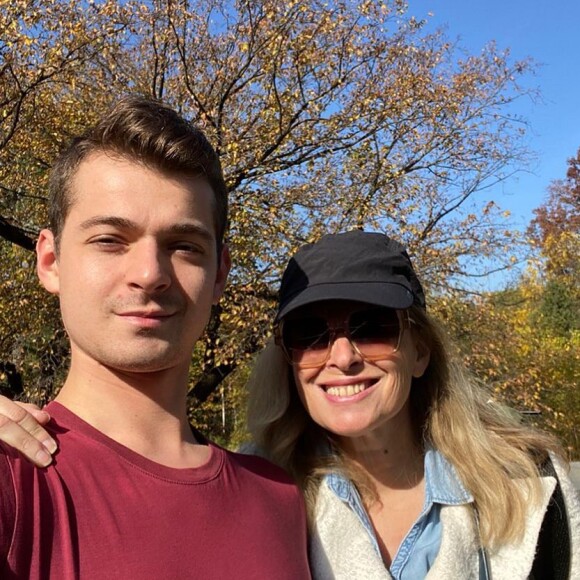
(306,334)
(373,332)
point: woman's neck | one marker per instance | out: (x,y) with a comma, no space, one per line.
(393,464)
(392,456)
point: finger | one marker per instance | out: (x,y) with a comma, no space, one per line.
(39,414)
(22,432)
(29,417)
(32,420)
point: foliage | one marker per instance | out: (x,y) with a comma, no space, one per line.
(327,116)
(555,230)
(536,371)
(558,312)
(555,233)
(525,341)
(32,343)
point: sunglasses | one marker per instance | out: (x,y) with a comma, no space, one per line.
(375,333)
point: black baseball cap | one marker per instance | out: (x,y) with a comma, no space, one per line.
(362,266)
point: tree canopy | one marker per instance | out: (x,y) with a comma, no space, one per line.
(327,116)
(525,340)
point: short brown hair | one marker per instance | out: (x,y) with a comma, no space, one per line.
(147,131)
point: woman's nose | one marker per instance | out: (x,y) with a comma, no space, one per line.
(343,353)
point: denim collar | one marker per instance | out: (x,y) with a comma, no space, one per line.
(442,486)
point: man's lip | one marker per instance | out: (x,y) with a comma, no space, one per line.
(150,319)
(146,314)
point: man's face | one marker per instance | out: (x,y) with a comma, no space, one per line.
(137,269)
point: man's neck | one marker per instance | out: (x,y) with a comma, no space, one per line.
(146,412)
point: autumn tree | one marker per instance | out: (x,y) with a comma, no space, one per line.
(555,230)
(327,116)
(555,233)
(525,341)
(534,370)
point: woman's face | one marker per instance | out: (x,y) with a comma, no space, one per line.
(353,397)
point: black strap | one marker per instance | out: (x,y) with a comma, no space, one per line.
(552,561)
(484,569)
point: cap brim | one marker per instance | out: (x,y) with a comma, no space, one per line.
(375,293)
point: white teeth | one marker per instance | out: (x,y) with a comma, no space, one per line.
(346,391)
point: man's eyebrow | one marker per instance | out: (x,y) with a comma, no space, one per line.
(192,229)
(184,228)
(103,220)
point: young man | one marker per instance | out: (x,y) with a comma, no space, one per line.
(135,254)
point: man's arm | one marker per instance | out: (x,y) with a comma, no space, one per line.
(21,428)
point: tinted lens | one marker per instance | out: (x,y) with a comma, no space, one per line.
(375,332)
(306,334)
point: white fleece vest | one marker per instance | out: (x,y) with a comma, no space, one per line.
(340,548)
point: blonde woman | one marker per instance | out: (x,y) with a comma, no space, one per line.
(409,468)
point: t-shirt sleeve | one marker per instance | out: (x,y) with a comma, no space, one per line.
(7,507)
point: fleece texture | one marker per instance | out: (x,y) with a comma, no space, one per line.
(340,548)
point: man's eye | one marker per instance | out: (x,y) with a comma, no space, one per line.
(187,248)
(106,242)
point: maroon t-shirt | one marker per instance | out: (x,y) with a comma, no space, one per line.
(103,511)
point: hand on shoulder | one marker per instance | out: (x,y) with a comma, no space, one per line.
(21,427)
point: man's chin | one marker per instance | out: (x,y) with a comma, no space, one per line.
(154,363)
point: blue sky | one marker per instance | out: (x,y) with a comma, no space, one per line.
(548,33)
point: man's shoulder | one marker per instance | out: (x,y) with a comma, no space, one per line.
(257,463)
(7,454)
(257,468)
(11,460)
(7,500)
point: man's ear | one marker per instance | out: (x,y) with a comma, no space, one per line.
(225,263)
(47,262)
(422,359)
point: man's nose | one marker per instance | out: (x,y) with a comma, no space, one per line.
(148,268)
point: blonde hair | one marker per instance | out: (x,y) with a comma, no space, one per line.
(495,456)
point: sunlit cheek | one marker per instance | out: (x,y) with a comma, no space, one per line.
(305,377)
(301,380)
(196,284)
(89,272)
